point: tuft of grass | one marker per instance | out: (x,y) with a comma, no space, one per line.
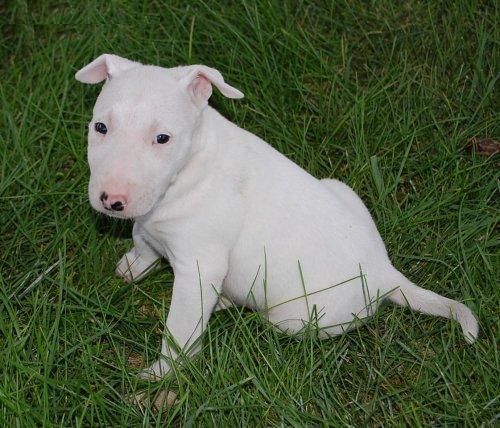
(382,96)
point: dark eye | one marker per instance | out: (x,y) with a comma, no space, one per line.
(162,138)
(100,127)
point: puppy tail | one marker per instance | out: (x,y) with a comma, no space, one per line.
(428,302)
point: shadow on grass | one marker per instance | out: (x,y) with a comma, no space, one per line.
(113,227)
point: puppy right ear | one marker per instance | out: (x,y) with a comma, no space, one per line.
(103,67)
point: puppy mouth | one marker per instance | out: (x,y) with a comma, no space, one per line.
(115,214)
(112,213)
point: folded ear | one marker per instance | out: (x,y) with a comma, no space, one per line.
(199,80)
(104,66)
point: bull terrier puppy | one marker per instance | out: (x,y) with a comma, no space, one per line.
(238,221)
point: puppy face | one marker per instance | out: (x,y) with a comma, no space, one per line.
(141,131)
(139,137)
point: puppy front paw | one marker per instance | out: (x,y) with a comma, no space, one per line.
(133,267)
(156,371)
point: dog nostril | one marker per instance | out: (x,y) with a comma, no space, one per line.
(117,206)
(103,197)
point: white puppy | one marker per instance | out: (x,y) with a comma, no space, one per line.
(236,219)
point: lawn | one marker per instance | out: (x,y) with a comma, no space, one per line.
(383,95)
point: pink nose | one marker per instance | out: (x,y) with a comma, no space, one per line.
(113,202)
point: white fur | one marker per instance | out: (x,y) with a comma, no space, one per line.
(234,217)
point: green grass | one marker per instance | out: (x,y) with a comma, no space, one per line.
(382,95)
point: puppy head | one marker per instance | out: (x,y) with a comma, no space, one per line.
(141,130)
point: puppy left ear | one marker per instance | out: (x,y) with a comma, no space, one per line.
(104,66)
(199,80)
